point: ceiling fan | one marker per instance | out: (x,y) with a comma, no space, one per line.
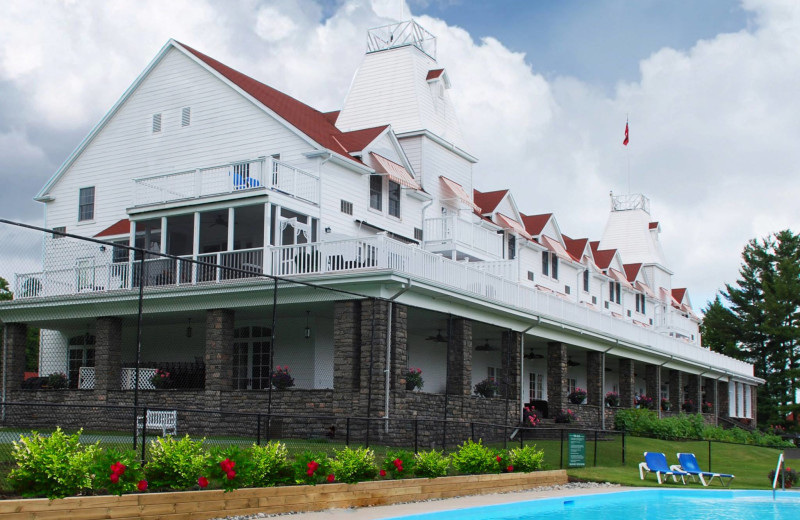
(571,363)
(438,338)
(485,347)
(533,355)
(219,221)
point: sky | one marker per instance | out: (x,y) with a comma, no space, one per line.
(542,91)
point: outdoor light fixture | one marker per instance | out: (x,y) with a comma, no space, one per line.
(308,327)
(102,249)
(328,229)
(189,329)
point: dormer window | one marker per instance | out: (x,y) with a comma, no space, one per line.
(376,192)
(640,303)
(614,292)
(586,281)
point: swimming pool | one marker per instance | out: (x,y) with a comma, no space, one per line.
(667,504)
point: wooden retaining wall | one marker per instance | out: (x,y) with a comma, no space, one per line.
(202,505)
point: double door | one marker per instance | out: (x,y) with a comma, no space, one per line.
(251,358)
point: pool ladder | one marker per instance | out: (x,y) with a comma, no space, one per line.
(778,473)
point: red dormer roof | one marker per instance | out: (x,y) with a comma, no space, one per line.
(435,73)
(121,227)
(534,224)
(311,122)
(357,140)
(632,271)
(602,257)
(653,225)
(575,247)
(488,201)
(678,294)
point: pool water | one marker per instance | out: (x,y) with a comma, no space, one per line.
(640,505)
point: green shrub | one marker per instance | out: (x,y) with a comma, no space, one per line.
(56,466)
(399,463)
(526,459)
(231,466)
(177,464)
(431,464)
(116,471)
(311,467)
(474,458)
(349,465)
(637,421)
(270,465)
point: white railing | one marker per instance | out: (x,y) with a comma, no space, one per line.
(507,269)
(86,378)
(73,280)
(462,233)
(227,178)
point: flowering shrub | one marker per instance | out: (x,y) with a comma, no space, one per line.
(270,465)
(612,400)
(232,467)
(487,388)
(776,429)
(565,416)
(177,464)
(310,467)
(353,465)
(666,404)
(161,379)
(57,380)
(526,459)
(56,466)
(473,458)
(644,401)
(414,379)
(577,396)
(688,406)
(117,471)
(788,475)
(706,407)
(281,379)
(399,463)
(431,464)
(530,417)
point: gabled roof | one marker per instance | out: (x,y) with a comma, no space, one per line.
(357,140)
(332,116)
(632,271)
(678,294)
(434,73)
(653,225)
(121,227)
(575,247)
(602,257)
(534,224)
(488,201)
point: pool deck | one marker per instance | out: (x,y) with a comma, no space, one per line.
(416,508)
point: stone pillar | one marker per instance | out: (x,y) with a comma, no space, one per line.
(556,377)
(346,355)
(754,397)
(594,378)
(736,390)
(676,389)
(14,354)
(108,354)
(219,349)
(459,358)
(510,361)
(724,399)
(399,347)
(627,383)
(695,391)
(374,334)
(653,384)
(710,385)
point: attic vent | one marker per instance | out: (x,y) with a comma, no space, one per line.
(156,123)
(530,276)
(629,314)
(186,116)
(418,234)
(606,304)
(346,207)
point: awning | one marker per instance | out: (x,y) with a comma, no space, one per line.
(556,247)
(621,278)
(641,324)
(459,192)
(510,223)
(645,289)
(395,172)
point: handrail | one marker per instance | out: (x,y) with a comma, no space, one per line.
(775,479)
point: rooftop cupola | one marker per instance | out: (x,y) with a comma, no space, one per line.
(401,34)
(629,230)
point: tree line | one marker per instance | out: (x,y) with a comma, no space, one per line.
(32,345)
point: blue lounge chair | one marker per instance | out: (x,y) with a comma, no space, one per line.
(657,463)
(688,464)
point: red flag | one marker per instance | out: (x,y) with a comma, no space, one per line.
(625,142)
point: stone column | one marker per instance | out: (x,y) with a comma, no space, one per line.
(710,385)
(14,354)
(695,391)
(346,355)
(676,389)
(219,349)
(653,384)
(627,383)
(374,331)
(459,358)
(556,377)
(108,354)
(736,390)
(510,344)
(399,347)
(594,378)
(724,399)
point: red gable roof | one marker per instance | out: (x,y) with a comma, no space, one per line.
(311,122)
(631,270)
(488,201)
(678,294)
(602,257)
(575,247)
(534,224)
(332,116)
(121,227)
(653,225)
(357,140)
(433,74)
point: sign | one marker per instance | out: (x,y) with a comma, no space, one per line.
(576,450)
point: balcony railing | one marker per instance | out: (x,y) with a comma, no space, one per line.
(462,234)
(228,178)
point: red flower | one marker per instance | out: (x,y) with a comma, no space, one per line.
(383,472)
(142,485)
(510,468)
(313,466)
(227,465)
(310,472)
(331,478)
(118,469)
(397,462)
(114,478)
(202,482)
(231,474)
(499,458)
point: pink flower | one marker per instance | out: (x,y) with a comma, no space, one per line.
(285,368)
(231,474)
(331,478)
(383,472)
(202,482)
(114,478)
(142,485)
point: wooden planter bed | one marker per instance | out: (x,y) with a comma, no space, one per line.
(201,505)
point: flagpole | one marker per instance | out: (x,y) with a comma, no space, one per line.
(628,155)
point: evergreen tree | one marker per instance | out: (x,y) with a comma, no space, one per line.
(32,345)
(5,292)
(720,329)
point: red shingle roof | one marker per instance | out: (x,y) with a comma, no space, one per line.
(631,271)
(678,294)
(311,122)
(653,225)
(488,201)
(575,247)
(433,74)
(602,257)
(357,140)
(534,224)
(332,116)
(121,227)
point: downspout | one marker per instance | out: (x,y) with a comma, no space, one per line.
(389,351)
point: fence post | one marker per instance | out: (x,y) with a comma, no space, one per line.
(472,431)
(444,435)
(709,455)
(347,433)
(269,427)
(623,447)
(521,444)
(144,432)
(595,448)
(366,443)
(561,463)
(258,430)
(416,435)
(505,435)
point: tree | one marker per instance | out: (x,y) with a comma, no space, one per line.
(762,324)
(5,292)
(32,344)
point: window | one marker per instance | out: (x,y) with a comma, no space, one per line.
(512,247)
(394,199)
(418,234)
(530,276)
(156,123)
(567,289)
(186,116)
(86,204)
(376,192)
(586,281)
(81,354)
(346,207)
(618,293)
(120,254)
(251,351)
(554,265)
(493,373)
(571,385)
(640,303)
(60,229)
(550,264)
(545,263)
(536,387)
(614,290)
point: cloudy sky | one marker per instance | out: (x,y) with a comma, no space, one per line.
(542,91)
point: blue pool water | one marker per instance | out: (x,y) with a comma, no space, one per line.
(640,505)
